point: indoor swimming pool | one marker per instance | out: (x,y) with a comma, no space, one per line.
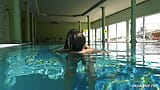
(40,67)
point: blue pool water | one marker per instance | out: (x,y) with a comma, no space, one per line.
(39,67)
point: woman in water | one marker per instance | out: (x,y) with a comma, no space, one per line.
(75,47)
(76,41)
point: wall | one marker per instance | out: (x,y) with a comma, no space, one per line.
(10,30)
(146,8)
(55,32)
(4,23)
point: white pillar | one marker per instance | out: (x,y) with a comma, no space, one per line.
(88,30)
(103,27)
(17,22)
(27,23)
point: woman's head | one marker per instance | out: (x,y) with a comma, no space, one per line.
(75,40)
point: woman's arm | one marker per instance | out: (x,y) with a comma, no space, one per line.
(87,49)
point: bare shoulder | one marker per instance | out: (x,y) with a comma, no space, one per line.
(91,51)
(101,51)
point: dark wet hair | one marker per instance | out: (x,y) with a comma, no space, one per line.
(75,40)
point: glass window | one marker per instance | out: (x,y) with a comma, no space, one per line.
(152,27)
(92,36)
(121,31)
(139,29)
(112,32)
(99,34)
(85,33)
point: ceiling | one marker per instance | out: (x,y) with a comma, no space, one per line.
(75,10)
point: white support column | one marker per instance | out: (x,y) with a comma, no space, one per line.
(103,27)
(35,29)
(32,22)
(17,22)
(27,23)
(79,22)
(95,37)
(88,19)
(108,38)
(133,30)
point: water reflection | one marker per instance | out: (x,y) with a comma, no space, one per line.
(33,61)
(85,81)
(75,69)
(82,72)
